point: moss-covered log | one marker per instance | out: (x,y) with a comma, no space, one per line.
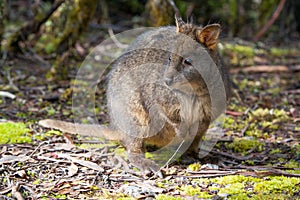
(159,13)
(30,28)
(79,17)
(1,23)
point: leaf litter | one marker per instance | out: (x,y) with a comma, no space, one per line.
(258,153)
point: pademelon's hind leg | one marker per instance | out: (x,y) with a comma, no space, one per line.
(135,149)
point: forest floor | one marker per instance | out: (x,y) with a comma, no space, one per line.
(257,158)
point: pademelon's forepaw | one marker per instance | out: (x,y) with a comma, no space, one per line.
(144,164)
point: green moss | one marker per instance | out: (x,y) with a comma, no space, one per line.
(247,51)
(279,185)
(234,124)
(241,145)
(228,122)
(190,190)
(121,152)
(250,85)
(160,185)
(79,83)
(279,52)
(234,188)
(194,167)
(244,187)
(66,112)
(262,122)
(255,132)
(273,115)
(249,162)
(59,196)
(270,125)
(292,164)
(235,105)
(50,47)
(239,54)
(274,91)
(296,149)
(234,179)
(167,197)
(48,134)
(262,196)
(149,155)
(14,133)
(36,182)
(244,54)
(30,173)
(195,191)
(84,121)
(204,195)
(240,196)
(125,198)
(21,115)
(50,111)
(293,171)
(275,151)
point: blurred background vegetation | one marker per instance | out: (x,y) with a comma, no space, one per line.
(45,29)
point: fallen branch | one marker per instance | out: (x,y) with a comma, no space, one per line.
(234,113)
(267,68)
(236,157)
(268,171)
(270,21)
(7,94)
(254,171)
(30,28)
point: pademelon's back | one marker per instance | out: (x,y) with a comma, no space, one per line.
(141,63)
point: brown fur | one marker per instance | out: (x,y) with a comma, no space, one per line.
(137,84)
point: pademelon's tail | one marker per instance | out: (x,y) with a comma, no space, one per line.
(93,130)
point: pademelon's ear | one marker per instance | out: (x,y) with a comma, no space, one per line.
(179,22)
(209,35)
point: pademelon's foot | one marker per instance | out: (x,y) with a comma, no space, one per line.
(144,164)
(189,157)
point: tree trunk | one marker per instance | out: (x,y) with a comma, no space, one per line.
(1,23)
(79,17)
(159,13)
(31,27)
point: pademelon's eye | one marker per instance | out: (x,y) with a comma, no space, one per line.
(187,61)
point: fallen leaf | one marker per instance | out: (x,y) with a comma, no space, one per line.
(72,170)
(85,163)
